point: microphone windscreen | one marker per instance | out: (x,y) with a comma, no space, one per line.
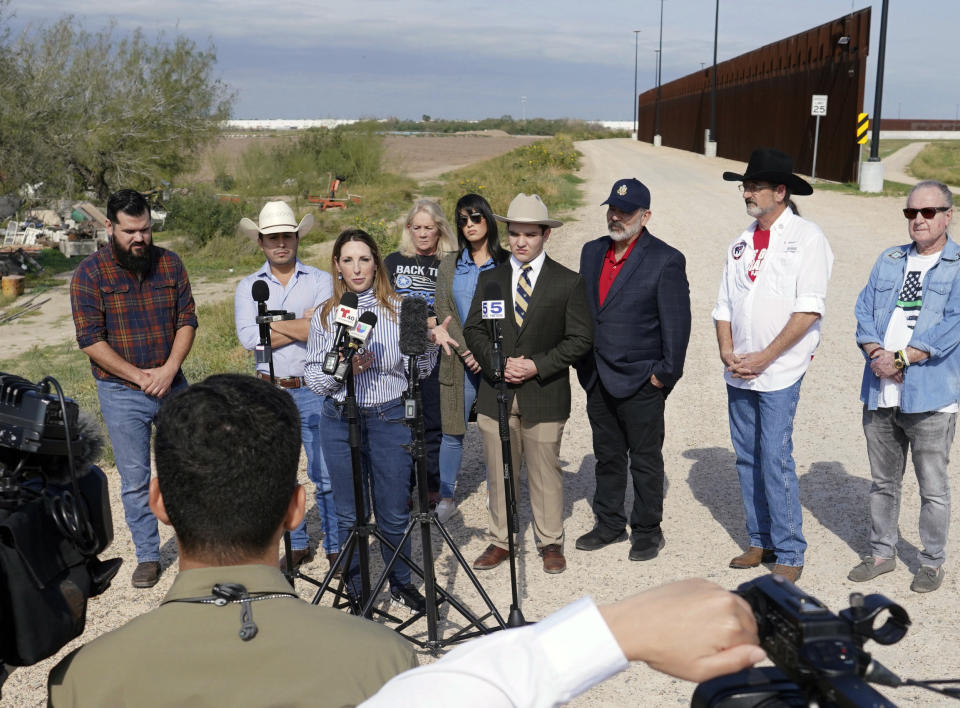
(492,291)
(260,291)
(413,326)
(349,299)
(87,450)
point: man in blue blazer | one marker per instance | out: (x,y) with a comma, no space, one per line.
(640,302)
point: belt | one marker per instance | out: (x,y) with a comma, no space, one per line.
(286,382)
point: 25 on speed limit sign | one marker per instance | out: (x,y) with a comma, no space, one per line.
(819,105)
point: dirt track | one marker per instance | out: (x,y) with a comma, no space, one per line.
(696,211)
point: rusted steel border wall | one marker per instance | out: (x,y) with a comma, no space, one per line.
(918,124)
(764,96)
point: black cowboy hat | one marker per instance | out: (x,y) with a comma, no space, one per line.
(769,165)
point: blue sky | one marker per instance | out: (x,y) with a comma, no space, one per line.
(467,59)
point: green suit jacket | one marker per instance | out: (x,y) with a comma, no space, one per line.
(557,330)
(188,654)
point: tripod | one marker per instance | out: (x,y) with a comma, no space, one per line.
(515,618)
(427,519)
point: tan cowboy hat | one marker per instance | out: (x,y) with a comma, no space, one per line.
(275,217)
(528,209)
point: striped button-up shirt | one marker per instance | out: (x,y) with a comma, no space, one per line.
(386,378)
(137,317)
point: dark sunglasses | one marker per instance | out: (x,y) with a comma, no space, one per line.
(475,216)
(927,212)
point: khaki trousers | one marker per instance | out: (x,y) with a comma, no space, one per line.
(539,446)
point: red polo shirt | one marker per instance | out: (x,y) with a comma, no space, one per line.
(611,267)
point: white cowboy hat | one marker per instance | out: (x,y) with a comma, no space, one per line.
(528,209)
(276,217)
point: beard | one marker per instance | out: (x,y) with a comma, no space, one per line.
(756,211)
(621,232)
(129,261)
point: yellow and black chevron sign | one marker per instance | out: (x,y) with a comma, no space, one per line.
(863,125)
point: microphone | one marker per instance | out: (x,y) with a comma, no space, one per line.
(345,317)
(357,337)
(413,326)
(493,310)
(260,292)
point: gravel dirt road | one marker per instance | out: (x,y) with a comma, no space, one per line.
(694,210)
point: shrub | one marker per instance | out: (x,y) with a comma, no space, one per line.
(203,215)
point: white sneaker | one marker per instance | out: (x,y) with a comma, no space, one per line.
(445,510)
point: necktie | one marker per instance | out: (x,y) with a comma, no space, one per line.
(522,297)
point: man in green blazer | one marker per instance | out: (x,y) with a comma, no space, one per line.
(546,329)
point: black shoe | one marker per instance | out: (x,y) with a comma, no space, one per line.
(146,574)
(595,540)
(644,548)
(408,596)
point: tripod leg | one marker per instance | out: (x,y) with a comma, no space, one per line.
(288,569)
(469,571)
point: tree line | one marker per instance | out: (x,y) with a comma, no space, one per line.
(90,111)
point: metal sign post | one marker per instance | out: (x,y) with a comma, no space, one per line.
(818,108)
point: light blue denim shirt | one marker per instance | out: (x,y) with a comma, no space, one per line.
(465,281)
(933,383)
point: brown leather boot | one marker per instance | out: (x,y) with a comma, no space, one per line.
(790,572)
(332,560)
(753,557)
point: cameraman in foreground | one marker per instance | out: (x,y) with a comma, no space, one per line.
(230,632)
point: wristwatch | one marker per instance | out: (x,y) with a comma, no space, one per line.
(900,361)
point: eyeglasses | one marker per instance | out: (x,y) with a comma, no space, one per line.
(753,187)
(927,212)
(475,216)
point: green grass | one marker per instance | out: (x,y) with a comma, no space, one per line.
(939,160)
(545,168)
(215,351)
(887,147)
(890,189)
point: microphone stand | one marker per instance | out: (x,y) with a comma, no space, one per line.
(264,355)
(515,618)
(362,529)
(426,519)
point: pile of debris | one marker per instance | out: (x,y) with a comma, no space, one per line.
(77,229)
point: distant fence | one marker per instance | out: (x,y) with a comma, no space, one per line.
(764,97)
(914,124)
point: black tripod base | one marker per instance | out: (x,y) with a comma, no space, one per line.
(515,618)
(434,599)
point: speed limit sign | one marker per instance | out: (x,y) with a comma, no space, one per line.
(819,105)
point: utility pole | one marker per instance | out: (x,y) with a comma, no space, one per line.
(711,146)
(656,131)
(636,116)
(871,172)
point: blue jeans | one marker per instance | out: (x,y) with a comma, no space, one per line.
(129,415)
(451,447)
(761,428)
(385,466)
(310,406)
(889,433)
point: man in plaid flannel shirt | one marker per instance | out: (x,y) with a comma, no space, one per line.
(135,318)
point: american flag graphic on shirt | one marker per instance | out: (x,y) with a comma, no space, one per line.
(911,297)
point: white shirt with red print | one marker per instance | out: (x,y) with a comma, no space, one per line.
(790,275)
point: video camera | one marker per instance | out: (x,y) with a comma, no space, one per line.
(54,520)
(818,655)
